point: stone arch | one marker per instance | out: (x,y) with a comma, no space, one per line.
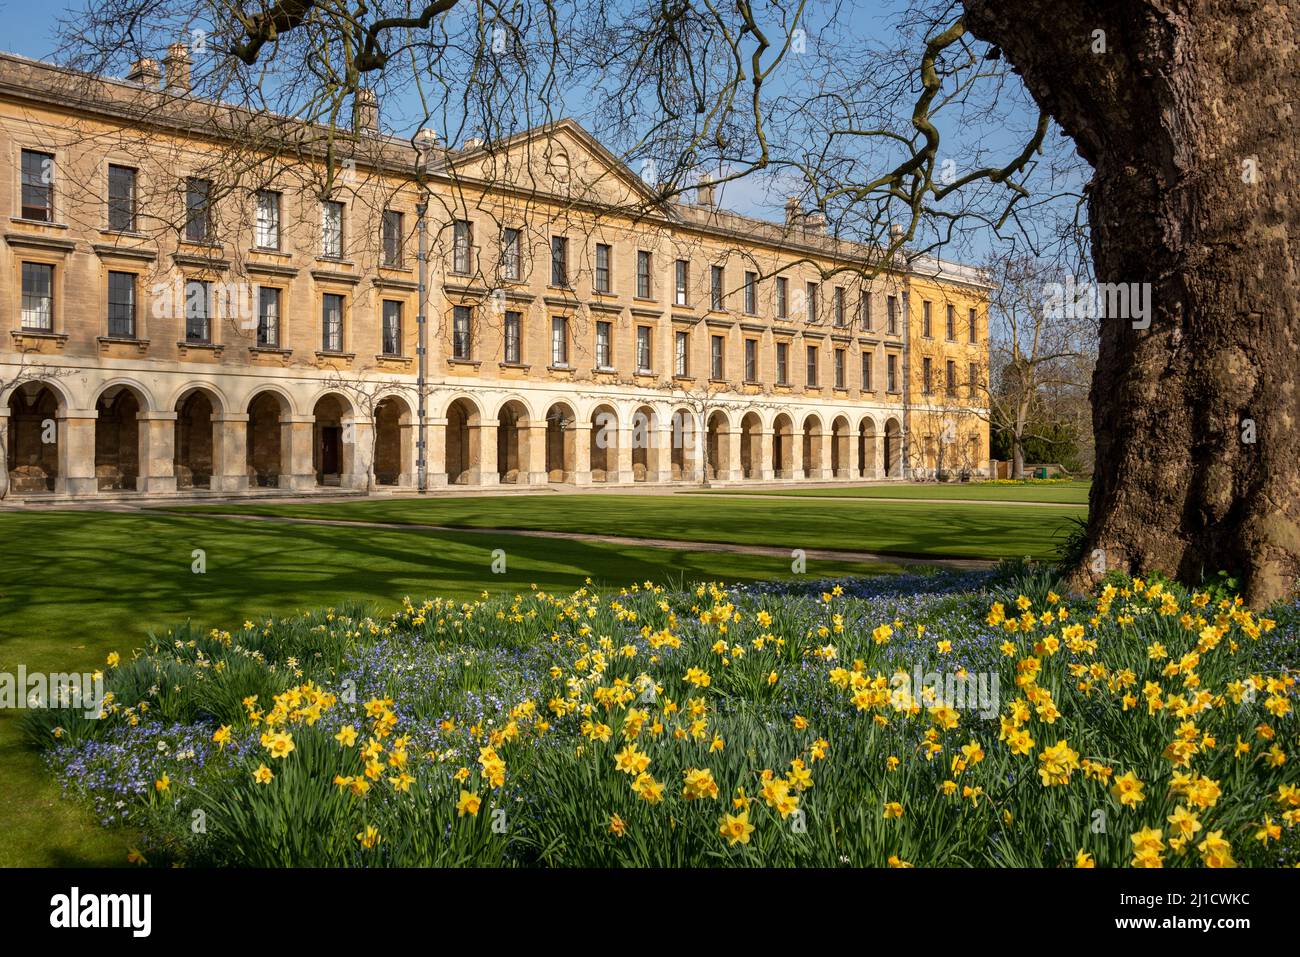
(119,452)
(196,442)
(893,461)
(604,443)
(393,423)
(561,436)
(751,450)
(513,442)
(783,446)
(266,451)
(840,447)
(645,438)
(866,463)
(460,451)
(813,438)
(32,441)
(718,445)
(684,451)
(332,449)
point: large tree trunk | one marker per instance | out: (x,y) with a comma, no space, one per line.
(1187,96)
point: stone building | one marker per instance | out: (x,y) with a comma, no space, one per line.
(201,298)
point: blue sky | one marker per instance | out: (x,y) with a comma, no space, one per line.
(29,30)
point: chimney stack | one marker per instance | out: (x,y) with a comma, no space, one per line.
(177,66)
(366,116)
(814,222)
(704,192)
(146,72)
(793,214)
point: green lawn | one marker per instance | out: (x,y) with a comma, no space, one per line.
(923,529)
(1065,493)
(76,585)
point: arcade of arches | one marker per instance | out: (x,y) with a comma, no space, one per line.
(127,442)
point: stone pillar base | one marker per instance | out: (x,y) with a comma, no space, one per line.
(157,484)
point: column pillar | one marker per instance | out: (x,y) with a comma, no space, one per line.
(876,460)
(663,454)
(581,453)
(358,452)
(764,470)
(486,441)
(297,447)
(796,454)
(77,453)
(822,457)
(851,471)
(535,468)
(623,456)
(410,436)
(230,451)
(436,453)
(735,469)
(157,452)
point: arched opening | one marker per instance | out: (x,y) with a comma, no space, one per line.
(684,452)
(783,446)
(751,428)
(265,448)
(893,449)
(329,449)
(392,422)
(461,453)
(867,448)
(840,448)
(32,445)
(719,446)
(644,437)
(512,444)
(560,436)
(117,439)
(812,447)
(604,444)
(193,455)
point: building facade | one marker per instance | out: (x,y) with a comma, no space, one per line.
(194,299)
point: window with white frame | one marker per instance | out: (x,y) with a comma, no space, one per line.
(38,297)
(268,219)
(331,229)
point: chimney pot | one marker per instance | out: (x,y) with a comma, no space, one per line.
(177,64)
(366,115)
(793,214)
(146,72)
(704,192)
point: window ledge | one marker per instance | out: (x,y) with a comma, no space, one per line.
(521,366)
(40,334)
(555,368)
(323,354)
(270,350)
(186,344)
(49,224)
(454,361)
(107,341)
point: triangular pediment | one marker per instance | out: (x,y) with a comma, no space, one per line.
(560,160)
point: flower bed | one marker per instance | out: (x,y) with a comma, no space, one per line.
(959,720)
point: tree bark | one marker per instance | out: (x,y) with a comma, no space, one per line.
(1188,120)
